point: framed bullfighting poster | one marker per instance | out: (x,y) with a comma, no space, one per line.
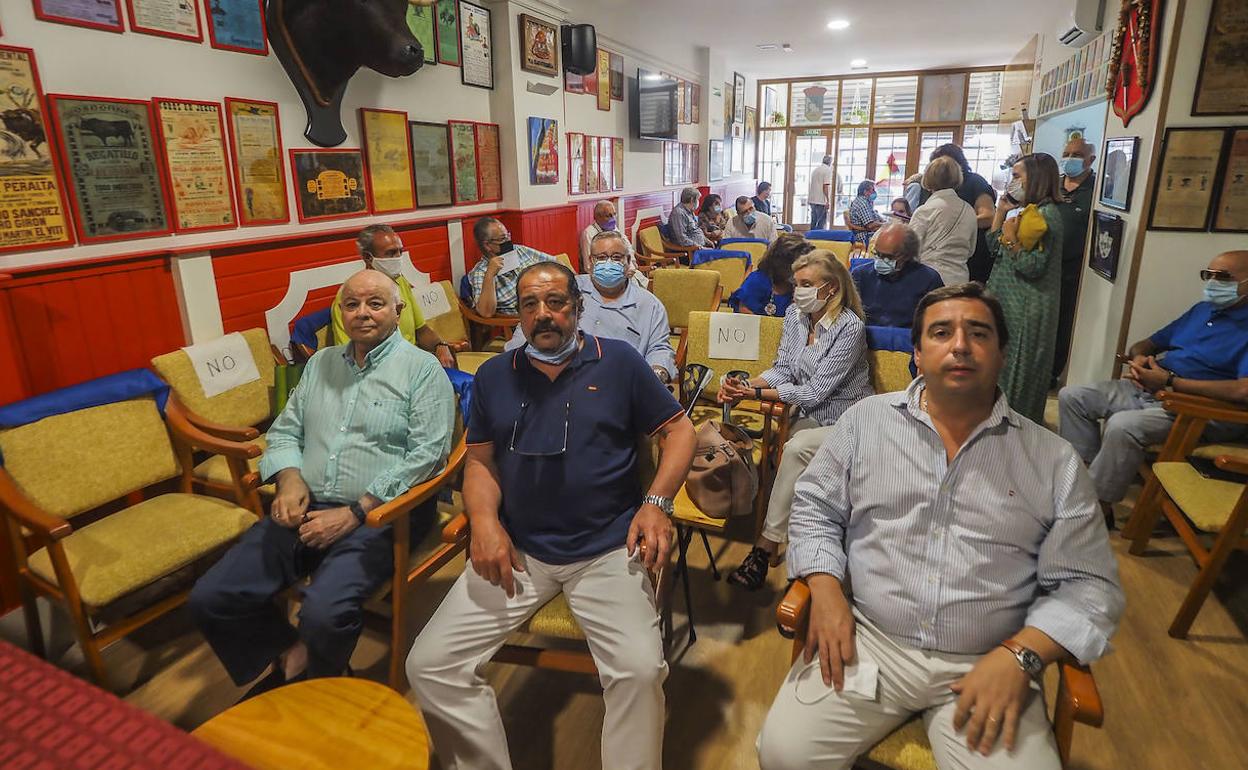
(476,49)
(489,163)
(259,169)
(431,163)
(92,14)
(236,25)
(193,138)
(447,30)
(464,161)
(388,158)
(329,184)
(34,213)
(108,151)
(539,46)
(167,18)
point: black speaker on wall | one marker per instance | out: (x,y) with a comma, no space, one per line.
(580,48)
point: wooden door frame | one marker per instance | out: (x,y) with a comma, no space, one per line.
(790,164)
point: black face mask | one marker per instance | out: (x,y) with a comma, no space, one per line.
(505,247)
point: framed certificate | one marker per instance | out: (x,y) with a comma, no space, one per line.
(1231,212)
(489,166)
(192,137)
(617,77)
(329,184)
(34,213)
(476,51)
(447,29)
(388,160)
(617,163)
(1220,88)
(1188,176)
(464,161)
(259,172)
(431,163)
(111,168)
(237,25)
(167,18)
(93,14)
(576,163)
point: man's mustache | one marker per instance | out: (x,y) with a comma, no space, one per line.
(546,326)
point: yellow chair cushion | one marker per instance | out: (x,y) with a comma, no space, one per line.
(698,349)
(905,748)
(215,470)
(242,406)
(140,544)
(731,272)
(651,240)
(840,248)
(555,619)
(470,361)
(70,463)
(683,291)
(495,345)
(756,251)
(686,513)
(450,326)
(1214,451)
(890,370)
(1206,502)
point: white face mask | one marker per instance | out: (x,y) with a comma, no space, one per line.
(807,299)
(1015,190)
(392,266)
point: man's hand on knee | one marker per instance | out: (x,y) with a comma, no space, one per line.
(323,528)
(651,530)
(292,498)
(493,556)
(830,634)
(991,698)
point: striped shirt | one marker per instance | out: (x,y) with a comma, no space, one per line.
(381,428)
(861,214)
(505,294)
(957,556)
(825,378)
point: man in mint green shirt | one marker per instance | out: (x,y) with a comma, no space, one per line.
(368,420)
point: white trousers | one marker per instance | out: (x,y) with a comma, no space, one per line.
(810,725)
(613,600)
(805,438)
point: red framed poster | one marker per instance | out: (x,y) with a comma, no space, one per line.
(576,163)
(92,14)
(178,19)
(329,184)
(237,25)
(256,161)
(489,164)
(387,160)
(604,164)
(617,161)
(34,207)
(464,177)
(191,135)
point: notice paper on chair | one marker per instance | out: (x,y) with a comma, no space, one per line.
(432,300)
(734,336)
(223,363)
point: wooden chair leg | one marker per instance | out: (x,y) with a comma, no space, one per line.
(78,614)
(1228,540)
(398,604)
(1139,527)
(34,628)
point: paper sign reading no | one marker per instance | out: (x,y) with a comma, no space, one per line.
(432,300)
(223,364)
(734,335)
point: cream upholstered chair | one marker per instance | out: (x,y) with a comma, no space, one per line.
(681,292)
(732,266)
(238,414)
(891,352)
(756,247)
(452,328)
(654,251)
(841,249)
(907,747)
(101,458)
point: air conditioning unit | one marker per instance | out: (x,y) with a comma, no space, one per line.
(1083,24)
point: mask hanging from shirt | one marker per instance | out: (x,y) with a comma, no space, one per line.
(609,274)
(1221,294)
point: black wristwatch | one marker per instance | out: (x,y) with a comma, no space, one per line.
(358,511)
(1170,381)
(1028,660)
(758,394)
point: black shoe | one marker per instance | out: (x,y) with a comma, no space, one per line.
(753,570)
(275,679)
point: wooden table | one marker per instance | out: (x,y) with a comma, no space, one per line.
(329,723)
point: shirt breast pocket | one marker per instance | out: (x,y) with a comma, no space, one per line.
(384,421)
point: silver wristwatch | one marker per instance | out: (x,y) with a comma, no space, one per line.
(1030,662)
(664,504)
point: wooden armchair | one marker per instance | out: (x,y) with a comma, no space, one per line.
(83,534)
(907,747)
(855,245)
(655,248)
(1192,501)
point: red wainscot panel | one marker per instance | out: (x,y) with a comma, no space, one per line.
(68,324)
(584,216)
(551,230)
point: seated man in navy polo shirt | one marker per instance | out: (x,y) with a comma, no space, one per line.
(555,502)
(1204,352)
(892,286)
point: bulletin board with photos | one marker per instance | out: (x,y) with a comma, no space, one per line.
(1079,80)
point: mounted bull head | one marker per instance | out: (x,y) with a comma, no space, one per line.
(321,44)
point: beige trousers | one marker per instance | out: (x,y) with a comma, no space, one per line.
(613,600)
(812,726)
(805,438)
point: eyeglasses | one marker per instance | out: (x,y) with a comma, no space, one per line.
(501,239)
(515,430)
(1218,275)
(620,258)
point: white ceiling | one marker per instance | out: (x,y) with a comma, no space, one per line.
(889,34)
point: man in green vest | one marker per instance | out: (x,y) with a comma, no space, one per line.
(382,250)
(1078,179)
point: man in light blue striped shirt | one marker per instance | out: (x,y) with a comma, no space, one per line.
(973,542)
(368,420)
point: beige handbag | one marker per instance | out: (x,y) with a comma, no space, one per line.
(723,480)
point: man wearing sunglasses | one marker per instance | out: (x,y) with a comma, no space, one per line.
(1204,352)
(554,497)
(892,285)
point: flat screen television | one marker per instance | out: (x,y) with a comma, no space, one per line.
(655,106)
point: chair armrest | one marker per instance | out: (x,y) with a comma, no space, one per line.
(278,358)
(718,299)
(227,432)
(793,610)
(1195,400)
(459,346)
(404,503)
(1233,464)
(15,502)
(471,314)
(1076,691)
(183,429)
(675,248)
(456,530)
(1205,408)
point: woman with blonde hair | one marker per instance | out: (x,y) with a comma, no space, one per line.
(945,223)
(821,368)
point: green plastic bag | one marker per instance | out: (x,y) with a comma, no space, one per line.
(285,378)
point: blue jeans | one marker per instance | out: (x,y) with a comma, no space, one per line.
(817,215)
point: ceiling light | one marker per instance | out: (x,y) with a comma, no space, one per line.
(858,64)
(838,24)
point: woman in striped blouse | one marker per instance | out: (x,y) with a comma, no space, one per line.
(821,368)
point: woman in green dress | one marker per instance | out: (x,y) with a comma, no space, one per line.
(1027,279)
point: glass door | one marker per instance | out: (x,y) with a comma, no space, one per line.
(930,139)
(890,155)
(808,148)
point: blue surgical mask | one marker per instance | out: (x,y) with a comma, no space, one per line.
(885,266)
(609,274)
(749,219)
(1071,166)
(555,357)
(1222,293)
(609,224)
(872,197)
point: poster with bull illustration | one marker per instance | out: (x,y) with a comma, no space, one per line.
(33,210)
(193,137)
(110,167)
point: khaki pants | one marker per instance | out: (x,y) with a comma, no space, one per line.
(805,438)
(812,726)
(613,600)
